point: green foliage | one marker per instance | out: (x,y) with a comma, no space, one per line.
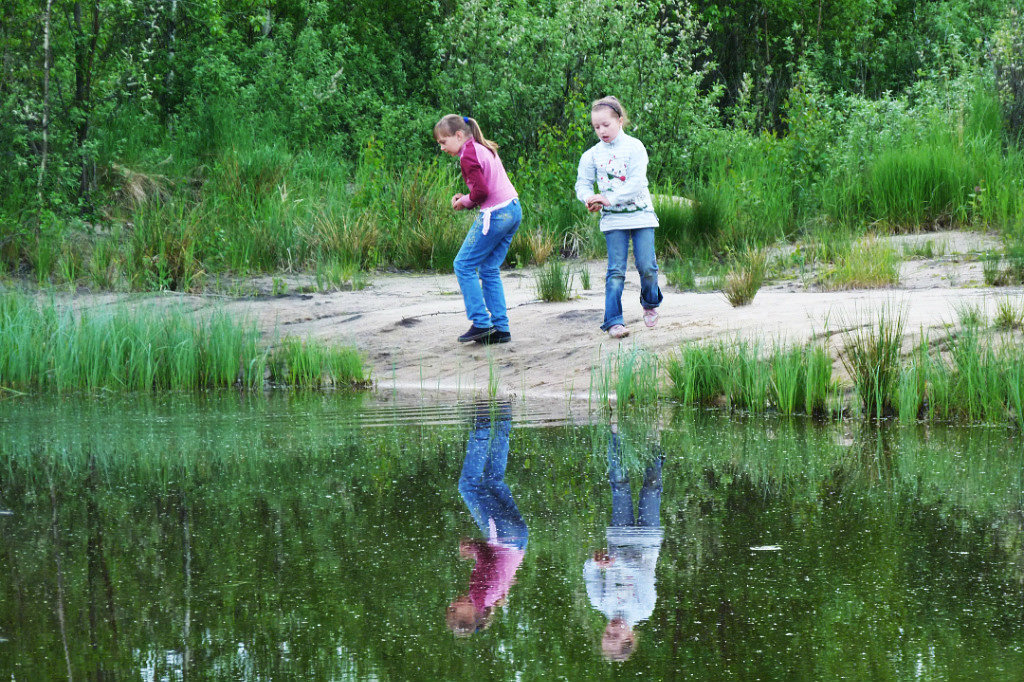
(516,70)
(193,139)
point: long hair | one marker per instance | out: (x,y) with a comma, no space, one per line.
(615,105)
(452,123)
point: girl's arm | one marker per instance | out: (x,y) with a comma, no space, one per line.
(636,177)
(586,175)
(473,174)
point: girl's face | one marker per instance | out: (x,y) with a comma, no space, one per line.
(607,125)
(451,144)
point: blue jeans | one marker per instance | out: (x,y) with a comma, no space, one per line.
(649,505)
(477,267)
(646,265)
(482,483)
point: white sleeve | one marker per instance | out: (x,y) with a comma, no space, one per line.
(586,175)
(594,580)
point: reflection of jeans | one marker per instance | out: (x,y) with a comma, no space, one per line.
(482,483)
(477,267)
(649,506)
(646,265)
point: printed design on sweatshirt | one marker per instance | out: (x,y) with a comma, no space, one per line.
(611,176)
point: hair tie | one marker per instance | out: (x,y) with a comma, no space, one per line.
(465,119)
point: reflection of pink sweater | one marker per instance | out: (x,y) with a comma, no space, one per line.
(494,572)
(485,176)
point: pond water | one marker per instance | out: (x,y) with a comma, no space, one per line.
(328,537)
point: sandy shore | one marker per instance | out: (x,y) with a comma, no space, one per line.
(406,324)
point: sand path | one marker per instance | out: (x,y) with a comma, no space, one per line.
(406,324)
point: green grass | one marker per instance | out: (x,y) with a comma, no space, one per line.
(554,281)
(745,277)
(924,249)
(743,376)
(311,364)
(631,375)
(240,208)
(872,359)
(1009,315)
(53,347)
(866,265)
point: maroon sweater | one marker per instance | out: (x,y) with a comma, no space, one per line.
(485,176)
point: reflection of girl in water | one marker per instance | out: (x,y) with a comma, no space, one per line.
(620,579)
(489,500)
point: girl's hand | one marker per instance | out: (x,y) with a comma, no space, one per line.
(455,201)
(596,202)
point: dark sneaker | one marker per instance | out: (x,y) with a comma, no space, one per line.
(497,337)
(476,333)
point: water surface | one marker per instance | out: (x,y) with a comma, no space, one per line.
(325,537)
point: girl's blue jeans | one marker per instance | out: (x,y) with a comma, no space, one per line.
(478,263)
(482,483)
(649,504)
(646,265)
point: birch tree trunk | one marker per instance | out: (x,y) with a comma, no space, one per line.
(46,99)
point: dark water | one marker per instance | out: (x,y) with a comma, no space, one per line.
(325,537)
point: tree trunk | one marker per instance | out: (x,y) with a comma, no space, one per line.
(85,51)
(46,100)
(61,611)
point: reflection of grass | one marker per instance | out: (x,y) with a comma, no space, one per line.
(284,488)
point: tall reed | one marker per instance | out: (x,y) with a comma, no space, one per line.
(872,358)
(54,347)
(742,376)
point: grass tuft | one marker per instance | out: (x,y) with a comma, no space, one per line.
(554,281)
(866,265)
(746,277)
(872,358)
(1009,315)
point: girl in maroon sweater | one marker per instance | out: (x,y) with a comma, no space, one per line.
(486,244)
